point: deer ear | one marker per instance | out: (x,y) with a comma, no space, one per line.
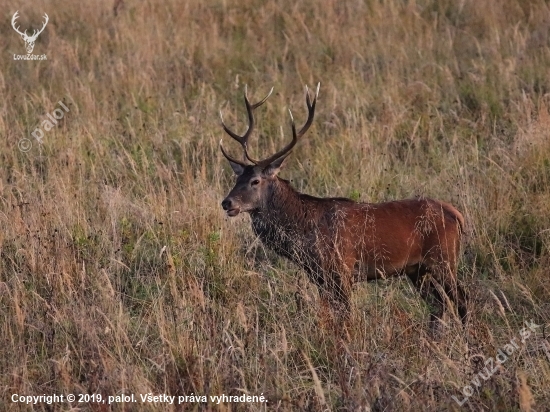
(237,168)
(275,166)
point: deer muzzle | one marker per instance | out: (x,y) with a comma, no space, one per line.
(230,208)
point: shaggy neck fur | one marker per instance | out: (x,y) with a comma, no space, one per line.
(284,220)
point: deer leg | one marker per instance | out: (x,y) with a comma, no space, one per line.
(326,315)
(444,274)
(456,294)
(428,290)
(335,303)
(443,266)
(462,304)
(335,314)
(339,303)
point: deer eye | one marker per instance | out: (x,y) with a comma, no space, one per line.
(255,182)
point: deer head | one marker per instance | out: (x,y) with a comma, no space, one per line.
(29,40)
(254,180)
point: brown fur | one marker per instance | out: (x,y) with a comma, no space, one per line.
(339,242)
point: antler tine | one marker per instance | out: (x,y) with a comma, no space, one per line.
(310,109)
(256,105)
(231,159)
(295,135)
(37,32)
(243,140)
(230,133)
(13,19)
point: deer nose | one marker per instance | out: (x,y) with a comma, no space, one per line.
(226,204)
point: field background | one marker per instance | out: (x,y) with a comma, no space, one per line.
(119,272)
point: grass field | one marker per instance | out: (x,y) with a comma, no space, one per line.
(120,274)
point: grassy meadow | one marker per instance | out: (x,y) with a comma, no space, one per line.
(120,274)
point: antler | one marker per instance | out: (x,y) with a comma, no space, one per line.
(243,140)
(15,16)
(295,136)
(35,33)
(25,35)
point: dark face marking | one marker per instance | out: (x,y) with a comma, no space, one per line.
(248,192)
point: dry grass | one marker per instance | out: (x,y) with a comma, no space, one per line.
(120,274)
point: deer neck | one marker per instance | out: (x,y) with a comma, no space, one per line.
(282,206)
(285,222)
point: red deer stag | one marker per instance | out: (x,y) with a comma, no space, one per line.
(338,241)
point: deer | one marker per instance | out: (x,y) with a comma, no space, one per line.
(29,40)
(339,242)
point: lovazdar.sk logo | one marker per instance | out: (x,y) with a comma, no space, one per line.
(28,39)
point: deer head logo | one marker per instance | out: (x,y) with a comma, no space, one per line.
(29,40)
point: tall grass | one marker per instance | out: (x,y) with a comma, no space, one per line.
(119,272)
